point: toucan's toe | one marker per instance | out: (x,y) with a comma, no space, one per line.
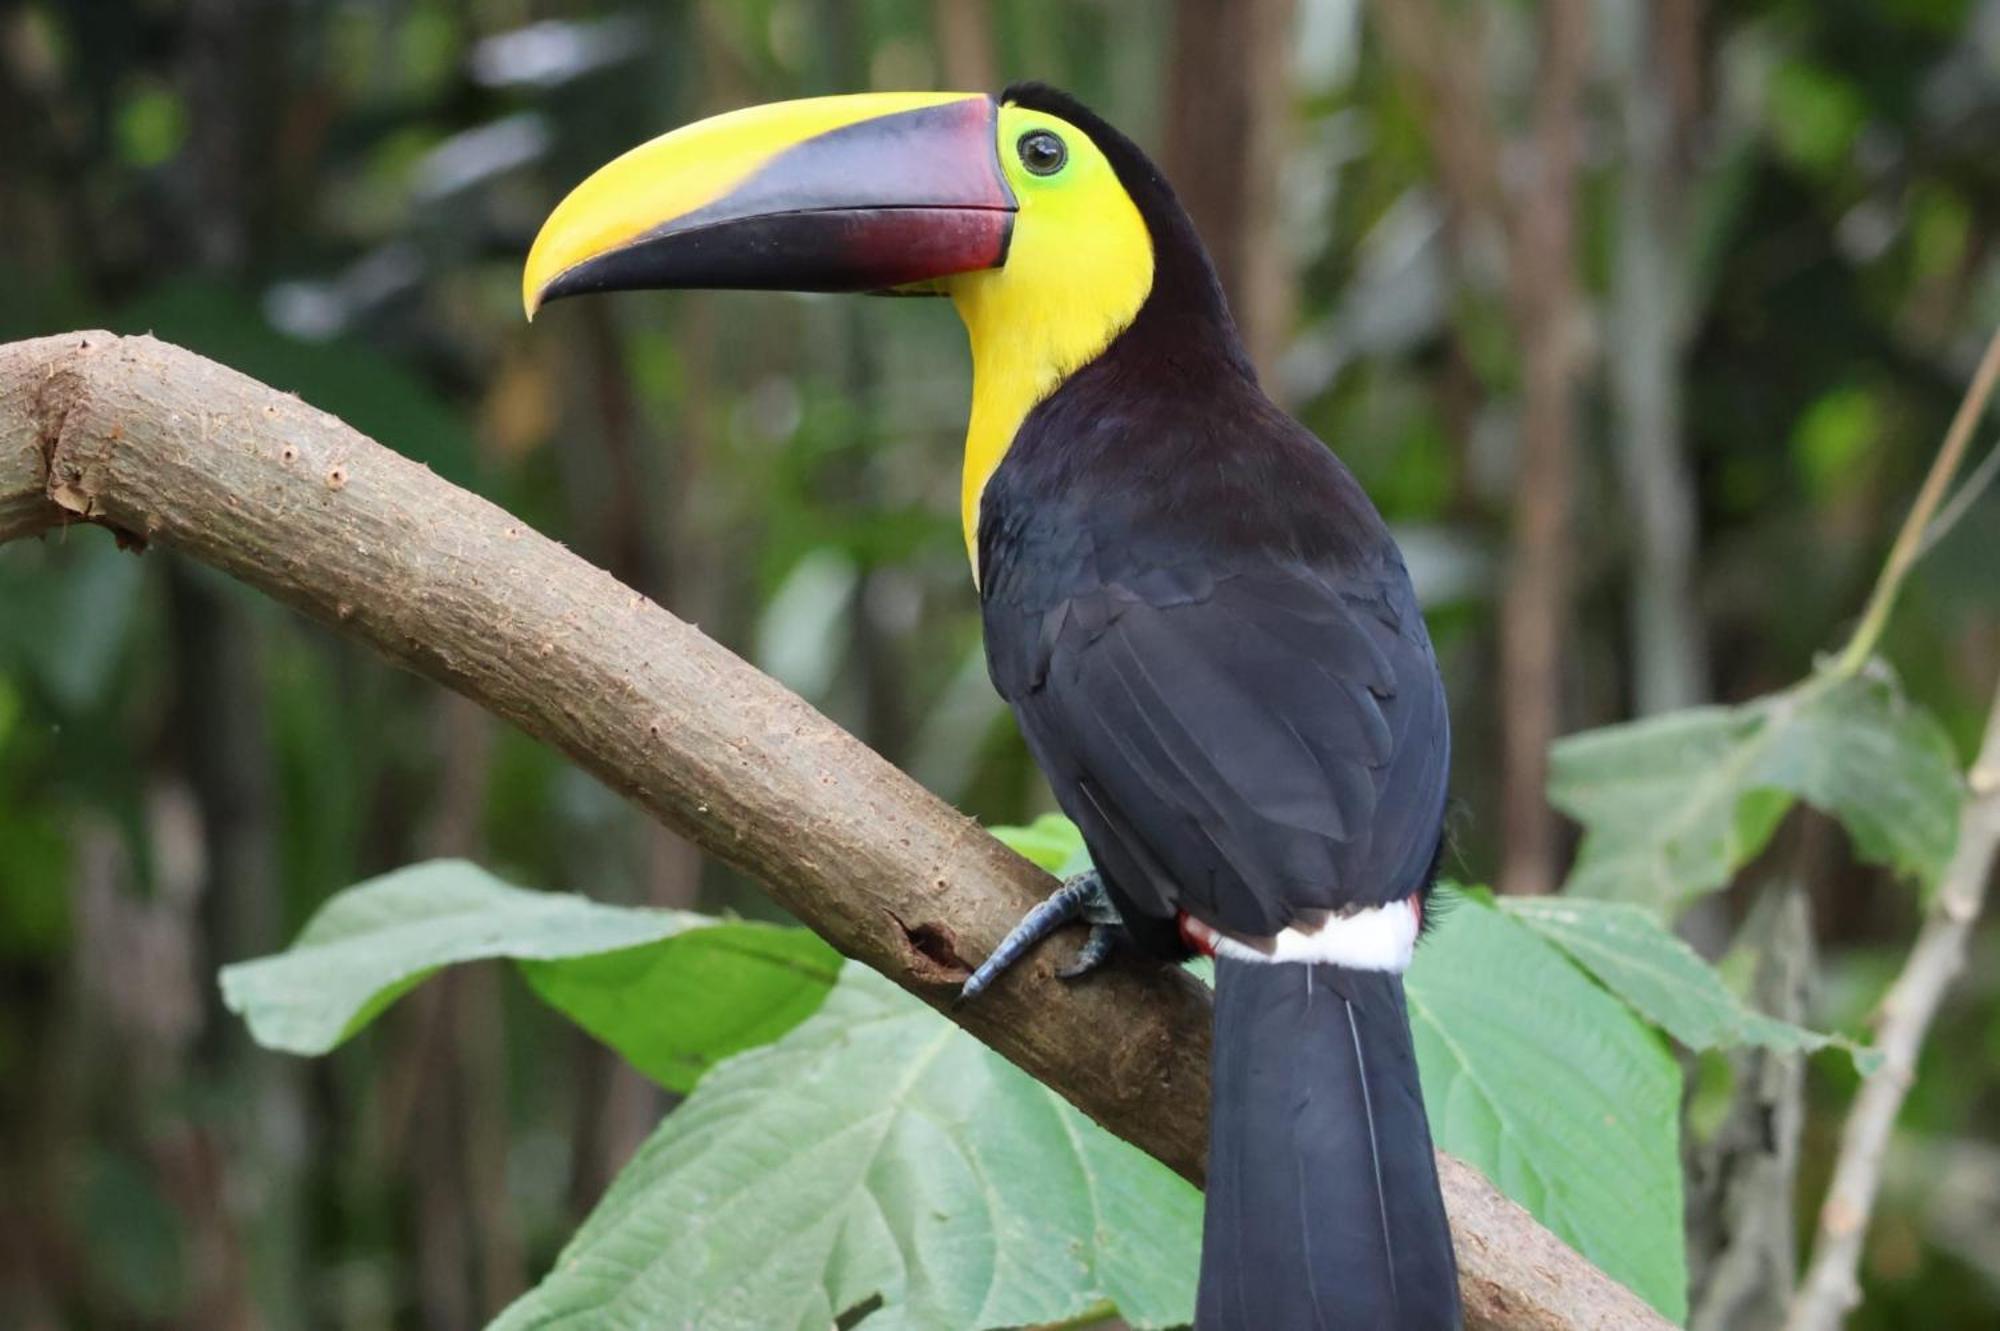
(1081,897)
(1096,950)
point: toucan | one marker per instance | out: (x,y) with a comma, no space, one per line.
(1201,623)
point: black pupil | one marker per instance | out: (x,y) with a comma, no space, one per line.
(1042,152)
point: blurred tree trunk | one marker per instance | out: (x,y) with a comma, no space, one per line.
(469,1254)
(1534,213)
(234,76)
(223,751)
(1657,45)
(234,79)
(966,57)
(1227,124)
(1535,607)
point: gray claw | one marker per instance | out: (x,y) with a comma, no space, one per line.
(1095,949)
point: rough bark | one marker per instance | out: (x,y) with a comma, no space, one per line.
(158,443)
(26,372)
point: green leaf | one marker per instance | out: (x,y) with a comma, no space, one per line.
(1051,841)
(676,1008)
(1672,806)
(1556,1092)
(1637,958)
(1549,1085)
(672,991)
(876,1152)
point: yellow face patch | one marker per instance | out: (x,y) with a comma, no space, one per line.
(1078,269)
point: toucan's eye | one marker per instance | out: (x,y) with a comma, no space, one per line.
(1041,152)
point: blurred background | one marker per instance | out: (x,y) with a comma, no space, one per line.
(1640,319)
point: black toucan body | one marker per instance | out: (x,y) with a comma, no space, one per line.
(1200,621)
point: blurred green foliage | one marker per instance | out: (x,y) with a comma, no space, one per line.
(334,196)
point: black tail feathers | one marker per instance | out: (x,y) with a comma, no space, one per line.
(1323,1209)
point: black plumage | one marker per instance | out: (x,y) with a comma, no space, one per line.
(1214,652)
(1323,1212)
(1245,729)
(1202,623)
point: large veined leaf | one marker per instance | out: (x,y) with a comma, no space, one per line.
(1672,806)
(876,1158)
(672,991)
(1556,1092)
(677,1007)
(1637,958)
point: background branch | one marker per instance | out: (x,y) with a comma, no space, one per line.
(162,444)
(1909,546)
(1830,1287)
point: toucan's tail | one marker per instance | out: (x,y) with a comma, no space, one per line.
(1323,1208)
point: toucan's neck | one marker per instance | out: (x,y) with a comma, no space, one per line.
(1011,371)
(1073,281)
(1117,289)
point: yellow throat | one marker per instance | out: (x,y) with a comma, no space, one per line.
(1078,268)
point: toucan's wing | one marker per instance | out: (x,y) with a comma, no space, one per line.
(1242,740)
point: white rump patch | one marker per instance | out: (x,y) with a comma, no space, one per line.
(1380,938)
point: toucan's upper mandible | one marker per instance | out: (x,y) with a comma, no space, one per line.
(859,193)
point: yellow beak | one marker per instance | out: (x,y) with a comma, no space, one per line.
(857,193)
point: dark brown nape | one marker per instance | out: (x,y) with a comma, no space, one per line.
(1186,310)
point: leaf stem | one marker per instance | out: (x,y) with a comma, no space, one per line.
(1968,494)
(1830,1287)
(1910,540)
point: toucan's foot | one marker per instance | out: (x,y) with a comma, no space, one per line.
(1095,951)
(1082,897)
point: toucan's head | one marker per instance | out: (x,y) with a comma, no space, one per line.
(1049,229)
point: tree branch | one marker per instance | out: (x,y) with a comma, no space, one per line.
(31,412)
(157,442)
(1830,1287)
(1909,546)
